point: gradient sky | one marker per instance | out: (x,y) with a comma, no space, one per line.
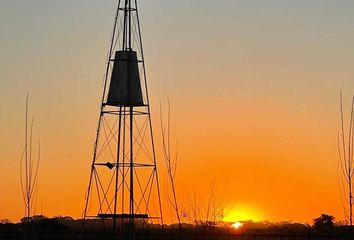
(254,88)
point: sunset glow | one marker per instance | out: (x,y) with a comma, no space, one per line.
(243,212)
(237,225)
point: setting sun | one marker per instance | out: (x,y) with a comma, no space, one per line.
(237,225)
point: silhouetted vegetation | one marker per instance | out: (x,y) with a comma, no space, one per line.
(346,162)
(170,161)
(324,222)
(40,223)
(63,227)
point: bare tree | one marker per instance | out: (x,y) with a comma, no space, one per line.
(214,207)
(191,210)
(345,151)
(29,169)
(170,161)
(205,209)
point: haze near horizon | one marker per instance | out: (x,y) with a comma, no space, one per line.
(253,85)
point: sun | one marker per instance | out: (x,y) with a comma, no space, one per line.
(237,225)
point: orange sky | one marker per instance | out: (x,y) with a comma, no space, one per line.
(254,94)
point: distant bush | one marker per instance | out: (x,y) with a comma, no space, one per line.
(324,222)
(64,218)
(33,219)
(42,223)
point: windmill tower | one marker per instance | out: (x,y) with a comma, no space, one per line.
(123,186)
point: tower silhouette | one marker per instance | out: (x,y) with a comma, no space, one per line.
(123,186)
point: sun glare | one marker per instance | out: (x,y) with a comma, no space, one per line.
(237,225)
(242,213)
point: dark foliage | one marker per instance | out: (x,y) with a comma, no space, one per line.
(324,222)
(41,223)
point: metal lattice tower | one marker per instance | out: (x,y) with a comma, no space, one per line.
(123,186)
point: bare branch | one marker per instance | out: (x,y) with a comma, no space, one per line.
(346,153)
